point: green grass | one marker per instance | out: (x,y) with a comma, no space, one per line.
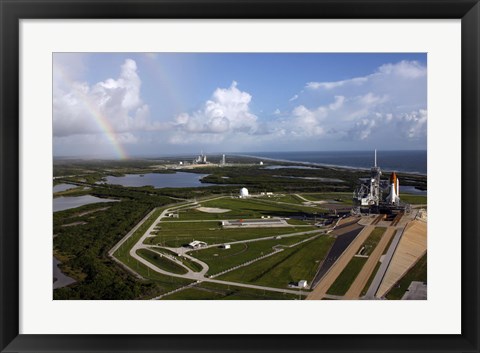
(194,294)
(297,222)
(345,197)
(161,261)
(176,234)
(292,264)
(288,199)
(192,265)
(164,283)
(414,199)
(216,291)
(245,208)
(417,273)
(370,279)
(219,259)
(388,245)
(371,243)
(348,275)
(353,268)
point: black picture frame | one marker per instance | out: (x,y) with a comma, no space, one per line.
(12,11)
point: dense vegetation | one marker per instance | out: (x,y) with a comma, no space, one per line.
(83,248)
(84,235)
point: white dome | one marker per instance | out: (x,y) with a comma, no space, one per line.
(243,192)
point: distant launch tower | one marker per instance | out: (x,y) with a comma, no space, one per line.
(370,194)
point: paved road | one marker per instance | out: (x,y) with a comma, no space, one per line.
(361,280)
(337,268)
(196,276)
(372,290)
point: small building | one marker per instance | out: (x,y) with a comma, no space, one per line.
(243,193)
(261,163)
(196,244)
(225,246)
(302,283)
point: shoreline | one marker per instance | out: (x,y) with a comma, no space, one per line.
(305,163)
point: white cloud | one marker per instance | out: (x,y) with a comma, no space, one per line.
(295,97)
(226,112)
(393,98)
(403,69)
(113,106)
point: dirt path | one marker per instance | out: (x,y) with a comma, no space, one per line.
(330,277)
(359,283)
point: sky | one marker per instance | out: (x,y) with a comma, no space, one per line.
(125,105)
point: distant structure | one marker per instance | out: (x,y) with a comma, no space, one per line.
(196,244)
(302,283)
(243,193)
(223,160)
(201,159)
(261,163)
(369,194)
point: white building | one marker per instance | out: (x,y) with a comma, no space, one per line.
(243,193)
(196,244)
(302,284)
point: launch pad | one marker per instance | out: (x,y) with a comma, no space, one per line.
(374,195)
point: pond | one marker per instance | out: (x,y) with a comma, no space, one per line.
(63,187)
(411,190)
(158,181)
(65,203)
(59,278)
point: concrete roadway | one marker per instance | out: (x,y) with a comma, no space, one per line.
(196,276)
(361,280)
(372,290)
(326,282)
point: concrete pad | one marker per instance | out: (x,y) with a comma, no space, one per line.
(411,248)
(326,282)
(212,210)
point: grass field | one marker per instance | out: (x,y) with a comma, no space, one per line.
(417,273)
(414,199)
(348,275)
(164,283)
(176,234)
(214,291)
(292,264)
(287,198)
(370,279)
(342,197)
(161,261)
(370,244)
(219,260)
(353,268)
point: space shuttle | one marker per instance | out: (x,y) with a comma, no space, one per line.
(394,196)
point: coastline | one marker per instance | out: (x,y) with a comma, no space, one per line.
(306,163)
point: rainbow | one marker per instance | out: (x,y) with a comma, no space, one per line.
(100,118)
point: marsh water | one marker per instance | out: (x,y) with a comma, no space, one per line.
(158,181)
(65,203)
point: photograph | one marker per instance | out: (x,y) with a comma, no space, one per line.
(239,176)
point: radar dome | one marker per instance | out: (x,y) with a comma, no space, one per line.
(243,192)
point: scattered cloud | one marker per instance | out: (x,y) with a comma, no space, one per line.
(113,106)
(226,112)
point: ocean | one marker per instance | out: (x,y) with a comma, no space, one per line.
(399,161)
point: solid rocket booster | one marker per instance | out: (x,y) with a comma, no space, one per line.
(394,196)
